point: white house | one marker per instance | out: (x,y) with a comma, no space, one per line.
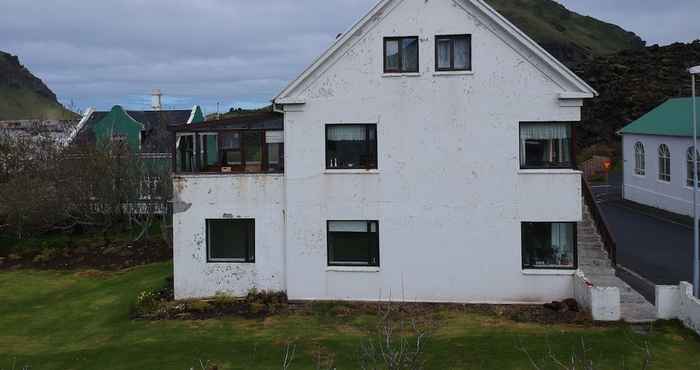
(425,156)
(658,157)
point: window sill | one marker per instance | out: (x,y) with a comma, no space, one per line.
(549,171)
(223,174)
(549,272)
(351,172)
(453,73)
(410,74)
(352,269)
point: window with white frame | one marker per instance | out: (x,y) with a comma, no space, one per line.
(689,165)
(639,159)
(664,163)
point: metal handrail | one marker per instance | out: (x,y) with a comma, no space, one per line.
(600,221)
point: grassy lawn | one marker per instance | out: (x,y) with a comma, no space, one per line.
(69,320)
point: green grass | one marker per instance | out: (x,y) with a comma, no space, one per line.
(24,103)
(68,320)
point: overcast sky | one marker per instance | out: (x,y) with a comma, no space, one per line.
(237,52)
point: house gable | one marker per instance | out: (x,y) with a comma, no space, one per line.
(118,123)
(571,88)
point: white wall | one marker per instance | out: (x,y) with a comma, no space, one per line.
(678,302)
(200,197)
(603,303)
(675,196)
(448,194)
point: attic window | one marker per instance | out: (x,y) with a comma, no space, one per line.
(453,53)
(401,54)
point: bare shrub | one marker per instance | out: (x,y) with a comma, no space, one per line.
(399,343)
(47,187)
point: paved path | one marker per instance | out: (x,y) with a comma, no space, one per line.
(649,244)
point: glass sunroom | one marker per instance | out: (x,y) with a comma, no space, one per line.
(248,144)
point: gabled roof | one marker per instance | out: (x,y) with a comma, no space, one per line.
(155,126)
(580,88)
(672,118)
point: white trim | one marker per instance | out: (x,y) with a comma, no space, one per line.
(332,49)
(350,172)
(86,117)
(545,272)
(546,171)
(191,118)
(352,269)
(453,73)
(409,74)
(376,13)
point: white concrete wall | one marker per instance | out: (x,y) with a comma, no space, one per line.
(449,195)
(678,302)
(200,197)
(603,303)
(674,196)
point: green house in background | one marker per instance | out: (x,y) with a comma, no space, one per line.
(145,132)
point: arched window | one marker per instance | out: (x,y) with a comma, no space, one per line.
(639,159)
(664,163)
(689,165)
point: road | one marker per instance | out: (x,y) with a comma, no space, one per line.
(648,243)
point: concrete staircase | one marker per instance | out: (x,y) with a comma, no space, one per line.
(598,269)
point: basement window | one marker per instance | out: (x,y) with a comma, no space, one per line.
(453,53)
(351,146)
(230,240)
(401,54)
(353,243)
(549,245)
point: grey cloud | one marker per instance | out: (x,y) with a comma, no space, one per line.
(238,52)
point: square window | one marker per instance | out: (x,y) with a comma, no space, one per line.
(549,245)
(401,54)
(351,146)
(546,145)
(230,240)
(353,243)
(453,53)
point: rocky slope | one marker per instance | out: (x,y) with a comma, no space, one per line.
(630,84)
(24,96)
(571,37)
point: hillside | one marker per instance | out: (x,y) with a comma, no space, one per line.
(630,84)
(24,96)
(571,37)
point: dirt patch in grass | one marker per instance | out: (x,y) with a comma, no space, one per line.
(93,254)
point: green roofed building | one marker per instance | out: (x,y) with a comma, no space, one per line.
(145,132)
(658,157)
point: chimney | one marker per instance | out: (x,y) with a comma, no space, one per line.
(155,99)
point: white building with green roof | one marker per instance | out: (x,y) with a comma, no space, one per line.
(658,157)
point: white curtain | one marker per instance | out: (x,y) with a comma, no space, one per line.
(544,132)
(274,137)
(348,226)
(346,133)
(562,234)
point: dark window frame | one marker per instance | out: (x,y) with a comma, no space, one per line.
(375,253)
(572,148)
(197,164)
(400,39)
(250,242)
(562,268)
(452,39)
(371,148)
